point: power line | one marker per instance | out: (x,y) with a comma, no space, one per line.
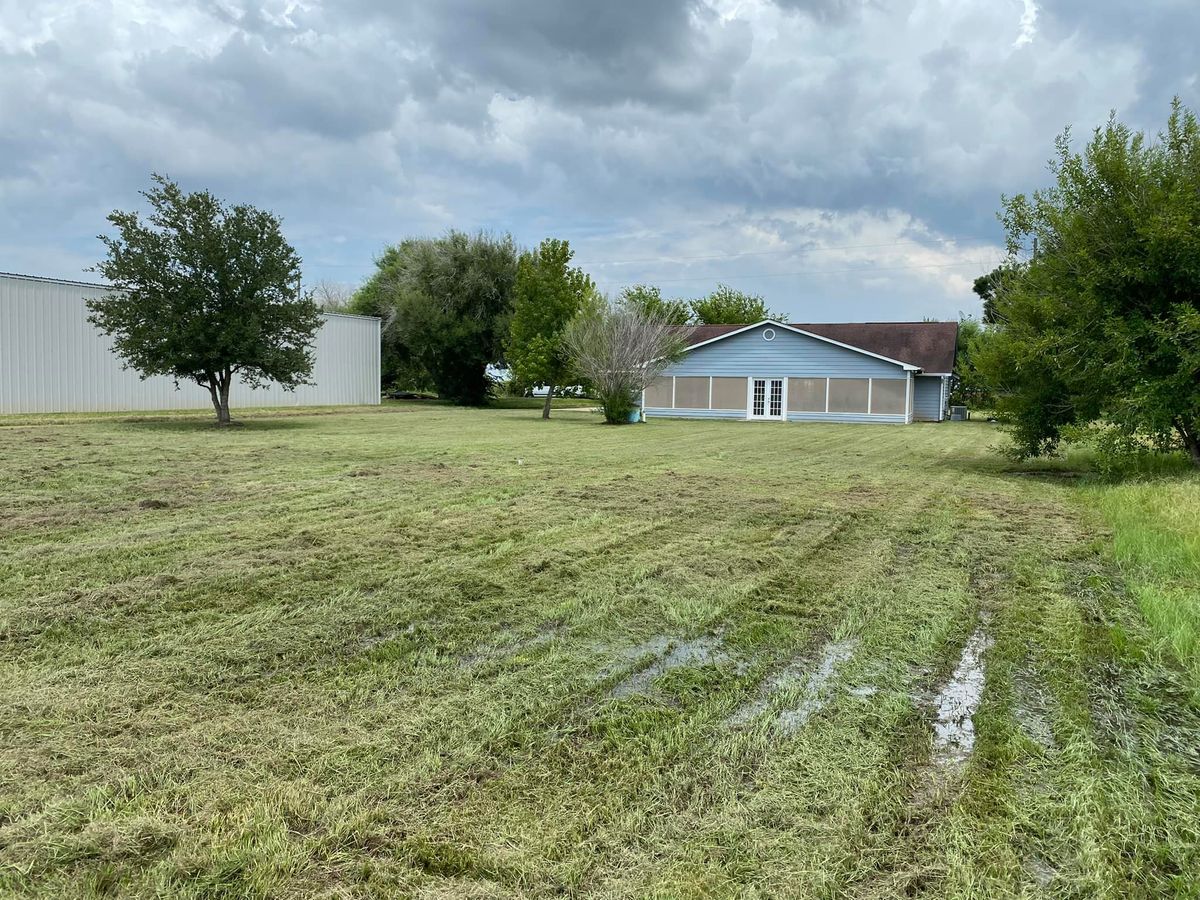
(792,250)
(867,269)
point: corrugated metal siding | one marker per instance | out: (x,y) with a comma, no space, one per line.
(789,354)
(53,360)
(927,398)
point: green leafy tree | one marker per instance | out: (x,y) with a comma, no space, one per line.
(446,304)
(728,306)
(549,292)
(1102,324)
(970,387)
(399,366)
(649,299)
(989,285)
(204,291)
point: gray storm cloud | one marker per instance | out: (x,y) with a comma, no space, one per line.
(830,152)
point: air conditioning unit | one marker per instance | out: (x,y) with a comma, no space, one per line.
(959,414)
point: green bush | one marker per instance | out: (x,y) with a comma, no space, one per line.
(1117,454)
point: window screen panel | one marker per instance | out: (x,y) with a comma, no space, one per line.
(888,396)
(848,395)
(691,393)
(806,395)
(658,393)
(729,393)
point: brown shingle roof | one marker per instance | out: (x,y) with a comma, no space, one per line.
(929,345)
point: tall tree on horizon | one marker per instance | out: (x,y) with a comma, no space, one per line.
(549,292)
(446,304)
(729,306)
(650,300)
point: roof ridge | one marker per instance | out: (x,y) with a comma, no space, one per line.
(54,280)
(880,322)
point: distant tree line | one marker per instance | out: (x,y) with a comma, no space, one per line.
(455,305)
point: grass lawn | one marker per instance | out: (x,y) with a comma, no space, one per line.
(431,652)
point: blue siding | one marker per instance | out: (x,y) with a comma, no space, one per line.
(653,412)
(853,418)
(790,354)
(927,398)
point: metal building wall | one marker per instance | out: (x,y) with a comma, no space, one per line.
(53,360)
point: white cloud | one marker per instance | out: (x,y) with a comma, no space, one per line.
(1028,24)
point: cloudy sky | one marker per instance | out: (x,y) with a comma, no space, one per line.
(843,158)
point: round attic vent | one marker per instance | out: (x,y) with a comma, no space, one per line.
(768,334)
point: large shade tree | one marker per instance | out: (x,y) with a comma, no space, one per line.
(203,292)
(549,292)
(1102,323)
(446,304)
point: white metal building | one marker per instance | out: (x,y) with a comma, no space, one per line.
(53,360)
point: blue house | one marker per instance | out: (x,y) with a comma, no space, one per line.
(882,372)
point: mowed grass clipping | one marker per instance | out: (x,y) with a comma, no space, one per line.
(417,651)
(1157,541)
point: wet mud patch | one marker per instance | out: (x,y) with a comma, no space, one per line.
(953,708)
(812,678)
(486,653)
(669,653)
(957,703)
(1031,709)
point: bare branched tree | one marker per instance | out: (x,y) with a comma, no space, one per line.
(332,296)
(620,349)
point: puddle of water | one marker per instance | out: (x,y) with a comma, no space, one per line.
(489,653)
(832,656)
(813,683)
(954,729)
(671,654)
(1043,873)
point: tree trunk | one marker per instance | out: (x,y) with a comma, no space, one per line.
(218,390)
(549,397)
(1192,443)
(1191,439)
(223,409)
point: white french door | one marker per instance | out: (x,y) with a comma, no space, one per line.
(766,398)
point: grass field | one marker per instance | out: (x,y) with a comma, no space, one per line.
(421,651)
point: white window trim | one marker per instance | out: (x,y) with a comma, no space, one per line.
(673,406)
